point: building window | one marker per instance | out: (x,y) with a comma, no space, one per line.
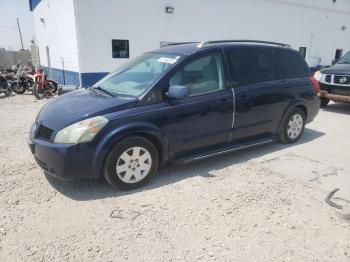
(302,51)
(338,54)
(120,48)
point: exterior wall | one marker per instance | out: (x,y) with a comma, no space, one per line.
(314,24)
(55,27)
(319,25)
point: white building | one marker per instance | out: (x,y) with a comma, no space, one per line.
(82,40)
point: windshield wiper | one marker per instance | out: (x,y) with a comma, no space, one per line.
(105,90)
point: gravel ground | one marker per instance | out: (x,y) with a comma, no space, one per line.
(229,208)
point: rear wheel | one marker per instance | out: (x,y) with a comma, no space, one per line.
(293,126)
(53,86)
(131,163)
(324,102)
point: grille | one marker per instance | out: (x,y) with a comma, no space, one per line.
(328,78)
(344,80)
(44,132)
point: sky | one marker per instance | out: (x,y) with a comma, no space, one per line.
(9,36)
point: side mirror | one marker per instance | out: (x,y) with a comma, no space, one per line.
(334,61)
(178,92)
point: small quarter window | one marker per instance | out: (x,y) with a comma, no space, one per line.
(120,48)
(290,65)
(338,54)
(302,51)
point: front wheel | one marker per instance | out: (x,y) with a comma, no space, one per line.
(131,163)
(293,126)
(38,92)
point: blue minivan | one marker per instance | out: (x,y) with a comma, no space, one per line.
(181,103)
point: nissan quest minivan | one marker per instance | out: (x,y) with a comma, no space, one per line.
(181,103)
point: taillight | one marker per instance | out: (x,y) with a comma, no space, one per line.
(315,84)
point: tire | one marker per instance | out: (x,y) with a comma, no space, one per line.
(18,89)
(53,86)
(37,93)
(131,163)
(324,102)
(293,126)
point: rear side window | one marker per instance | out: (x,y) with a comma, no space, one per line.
(251,65)
(290,65)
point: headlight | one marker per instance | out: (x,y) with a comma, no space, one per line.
(83,131)
(32,130)
(318,76)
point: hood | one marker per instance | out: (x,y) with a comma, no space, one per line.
(78,105)
(337,69)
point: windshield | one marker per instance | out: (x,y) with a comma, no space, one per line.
(345,59)
(135,77)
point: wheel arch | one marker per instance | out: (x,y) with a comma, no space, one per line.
(301,105)
(114,136)
(303,108)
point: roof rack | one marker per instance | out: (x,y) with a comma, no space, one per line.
(207,43)
(177,43)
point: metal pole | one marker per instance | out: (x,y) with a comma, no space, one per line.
(20,33)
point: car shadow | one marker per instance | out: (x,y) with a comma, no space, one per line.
(342,108)
(84,190)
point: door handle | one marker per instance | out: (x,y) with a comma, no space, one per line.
(223,102)
(244,98)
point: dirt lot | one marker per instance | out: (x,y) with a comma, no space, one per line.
(263,204)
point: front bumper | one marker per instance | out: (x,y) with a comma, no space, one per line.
(64,161)
(335,97)
(335,92)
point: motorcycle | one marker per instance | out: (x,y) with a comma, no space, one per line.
(22,83)
(43,88)
(4,87)
(25,79)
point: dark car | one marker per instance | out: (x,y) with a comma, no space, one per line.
(335,82)
(181,103)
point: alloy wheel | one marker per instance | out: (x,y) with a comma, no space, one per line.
(134,165)
(295,126)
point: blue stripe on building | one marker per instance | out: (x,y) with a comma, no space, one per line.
(66,77)
(88,79)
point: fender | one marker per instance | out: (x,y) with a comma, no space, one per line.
(114,134)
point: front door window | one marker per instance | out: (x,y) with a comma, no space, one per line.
(201,76)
